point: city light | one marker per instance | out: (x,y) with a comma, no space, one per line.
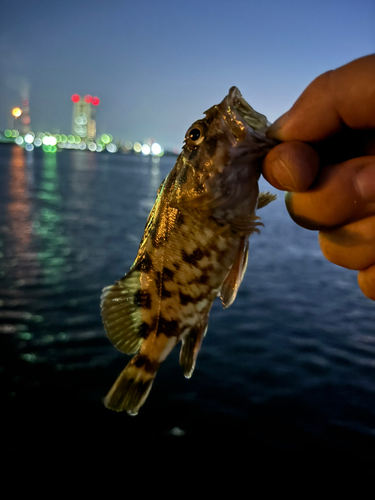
(29,138)
(105,138)
(83,134)
(156,149)
(49,140)
(111,148)
(146,149)
(16,112)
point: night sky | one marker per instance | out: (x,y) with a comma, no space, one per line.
(157,65)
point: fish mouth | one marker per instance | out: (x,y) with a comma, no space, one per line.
(236,101)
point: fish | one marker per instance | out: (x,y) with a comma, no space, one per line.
(194,248)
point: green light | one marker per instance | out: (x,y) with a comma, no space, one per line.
(71,139)
(58,137)
(64,138)
(31,358)
(8,133)
(105,138)
(47,148)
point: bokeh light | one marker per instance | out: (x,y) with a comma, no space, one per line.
(29,138)
(16,112)
(105,138)
(146,150)
(156,148)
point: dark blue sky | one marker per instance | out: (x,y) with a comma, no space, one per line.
(157,65)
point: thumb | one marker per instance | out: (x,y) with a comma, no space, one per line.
(342,193)
(366,282)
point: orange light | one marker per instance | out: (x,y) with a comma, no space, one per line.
(16,112)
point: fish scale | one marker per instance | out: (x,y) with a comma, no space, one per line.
(194,248)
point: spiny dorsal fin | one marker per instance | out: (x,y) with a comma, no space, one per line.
(121,313)
(265,198)
(234,278)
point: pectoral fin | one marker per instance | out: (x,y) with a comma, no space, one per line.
(265,198)
(191,345)
(234,278)
(121,312)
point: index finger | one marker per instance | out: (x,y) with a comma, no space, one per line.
(341,97)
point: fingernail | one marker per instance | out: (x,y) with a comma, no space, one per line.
(274,129)
(365,183)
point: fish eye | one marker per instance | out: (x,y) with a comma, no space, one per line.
(195,135)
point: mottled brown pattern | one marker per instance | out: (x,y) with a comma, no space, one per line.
(189,254)
(144,330)
(147,265)
(168,328)
(142,361)
(184,299)
(188,299)
(195,257)
(203,280)
(142,298)
(168,274)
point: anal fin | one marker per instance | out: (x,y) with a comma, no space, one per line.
(234,278)
(191,345)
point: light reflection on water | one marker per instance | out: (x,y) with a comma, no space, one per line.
(298,342)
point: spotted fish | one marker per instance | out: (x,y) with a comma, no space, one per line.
(194,248)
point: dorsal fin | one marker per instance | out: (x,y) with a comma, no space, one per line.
(121,312)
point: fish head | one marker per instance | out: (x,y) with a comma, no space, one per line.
(221,158)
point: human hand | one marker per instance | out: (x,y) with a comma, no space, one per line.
(326,162)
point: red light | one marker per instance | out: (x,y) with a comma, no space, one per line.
(95,101)
(88,98)
(75,97)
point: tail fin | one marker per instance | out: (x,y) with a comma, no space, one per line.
(133,385)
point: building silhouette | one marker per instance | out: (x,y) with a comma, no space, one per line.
(83,118)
